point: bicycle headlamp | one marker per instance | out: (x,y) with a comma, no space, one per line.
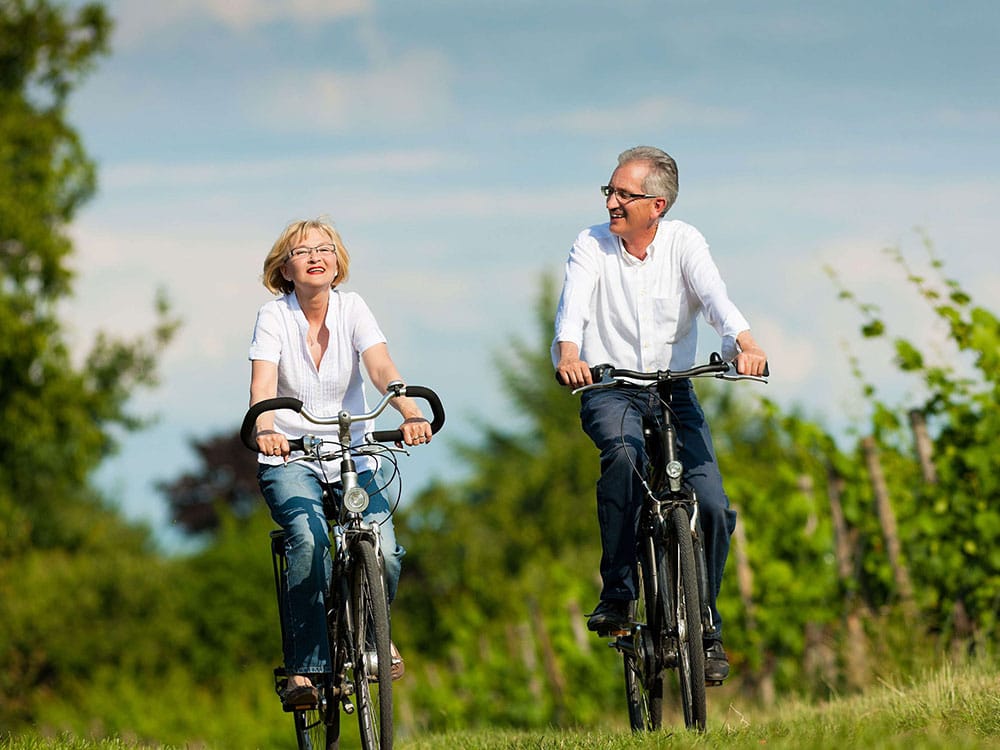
(356,500)
(674,469)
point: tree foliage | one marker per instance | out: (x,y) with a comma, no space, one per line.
(950,526)
(56,414)
(65,557)
(224,482)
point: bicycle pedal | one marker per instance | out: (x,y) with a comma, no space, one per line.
(713,683)
(613,633)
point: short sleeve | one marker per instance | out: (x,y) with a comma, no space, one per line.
(365,332)
(266,343)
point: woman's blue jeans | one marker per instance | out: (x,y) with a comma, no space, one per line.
(294,494)
(612,418)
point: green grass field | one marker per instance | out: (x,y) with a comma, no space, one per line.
(951,708)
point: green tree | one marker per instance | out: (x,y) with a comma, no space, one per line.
(56,415)
(949,527)
(65,557)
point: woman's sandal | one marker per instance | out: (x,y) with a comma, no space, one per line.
(299,697)
(398,667)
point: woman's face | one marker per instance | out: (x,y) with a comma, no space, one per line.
(312,261)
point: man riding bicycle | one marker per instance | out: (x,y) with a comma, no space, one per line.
(631,297)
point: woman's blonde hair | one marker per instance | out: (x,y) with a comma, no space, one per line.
(274,280)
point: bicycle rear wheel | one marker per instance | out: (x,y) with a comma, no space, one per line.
(372,662)
(641,649)
(685,618)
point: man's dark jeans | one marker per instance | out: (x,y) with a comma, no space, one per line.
(620,490)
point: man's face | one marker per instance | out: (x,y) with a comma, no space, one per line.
(631,217)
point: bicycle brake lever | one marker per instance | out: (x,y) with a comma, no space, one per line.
(605,381)
(733,374)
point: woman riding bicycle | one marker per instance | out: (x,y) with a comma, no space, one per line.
(308,344)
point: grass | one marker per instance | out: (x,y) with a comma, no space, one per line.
(950,708)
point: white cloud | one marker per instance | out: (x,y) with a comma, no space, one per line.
(202,174)
(652,112)
(137,20)
(413,91)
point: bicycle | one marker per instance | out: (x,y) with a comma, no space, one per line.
(357,608)
(671,612)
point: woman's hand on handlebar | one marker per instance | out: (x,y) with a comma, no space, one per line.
(272,443)
(416,431)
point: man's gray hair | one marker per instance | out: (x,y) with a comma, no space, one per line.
(662,177)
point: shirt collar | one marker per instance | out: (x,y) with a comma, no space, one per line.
(650,249)
(300,316)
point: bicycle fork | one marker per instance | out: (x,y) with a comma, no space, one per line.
(667,469)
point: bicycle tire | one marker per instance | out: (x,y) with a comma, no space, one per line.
(318,728)
(642,651)
(370,625)
(684,599)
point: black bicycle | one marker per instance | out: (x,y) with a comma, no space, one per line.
(671,612)
(358,625)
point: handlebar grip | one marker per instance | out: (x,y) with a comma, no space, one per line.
(437,414)
(596,373)
(269,404)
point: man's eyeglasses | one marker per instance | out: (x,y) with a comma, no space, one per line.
(322,251)
(623,196)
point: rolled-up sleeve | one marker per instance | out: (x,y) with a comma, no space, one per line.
(575,301)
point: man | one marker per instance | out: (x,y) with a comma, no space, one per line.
(633,290)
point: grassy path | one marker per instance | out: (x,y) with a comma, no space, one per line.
(950,709)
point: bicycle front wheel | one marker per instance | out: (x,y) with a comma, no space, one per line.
(318,728)
(372,657)
(641,649)
(685,601)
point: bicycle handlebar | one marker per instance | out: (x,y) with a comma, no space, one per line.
(606,375)
(437,414)
(248,428)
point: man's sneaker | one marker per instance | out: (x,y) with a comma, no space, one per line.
(610,616)
(716,663)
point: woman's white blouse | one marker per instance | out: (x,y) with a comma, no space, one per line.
(280,336)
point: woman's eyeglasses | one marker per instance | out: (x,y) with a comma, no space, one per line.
(322,251)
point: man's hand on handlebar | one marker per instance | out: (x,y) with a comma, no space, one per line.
(573,372)
(751,359)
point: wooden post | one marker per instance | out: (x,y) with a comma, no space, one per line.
(744,576)
(557,683)
(924,446)
(887,518)
(763,681)
(856,658)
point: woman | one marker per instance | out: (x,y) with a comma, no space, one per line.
(308,343)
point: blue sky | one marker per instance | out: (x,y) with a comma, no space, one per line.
(458,146)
